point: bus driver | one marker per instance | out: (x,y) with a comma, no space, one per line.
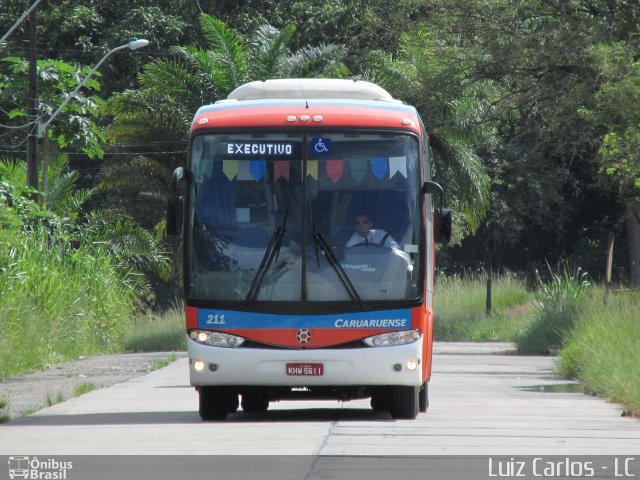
(365,235)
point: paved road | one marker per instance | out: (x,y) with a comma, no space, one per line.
(483,402)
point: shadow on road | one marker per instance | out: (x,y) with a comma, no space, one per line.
(168,418)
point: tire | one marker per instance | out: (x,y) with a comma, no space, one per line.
(404,402)
(423,398)
(381,400)
(253,403)
(216,403)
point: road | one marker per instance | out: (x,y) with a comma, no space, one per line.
(483,401)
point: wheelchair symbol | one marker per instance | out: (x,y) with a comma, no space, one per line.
(321,145)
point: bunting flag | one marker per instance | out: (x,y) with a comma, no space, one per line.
(230,168)
(335,170)
(379,167)
(244,172)
(312,169)
(281,169)
(258,168)
(397,165)
(359,169)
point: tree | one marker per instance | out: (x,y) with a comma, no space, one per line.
(76,126)
(617,108)
(456,116)
(158,114)
(63,215)
(533,58)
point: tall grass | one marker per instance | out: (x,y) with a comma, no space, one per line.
(157,332)
(603,350)
(558,307)
(460,312)
(59,299)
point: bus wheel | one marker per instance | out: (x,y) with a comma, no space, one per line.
(380,400)
(404,402)
(423,398)
(254,403)
(216,403)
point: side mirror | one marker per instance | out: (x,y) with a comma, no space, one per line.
(172,202)
(442,216)
(442,226)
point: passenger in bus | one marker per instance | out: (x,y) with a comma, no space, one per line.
(365,235)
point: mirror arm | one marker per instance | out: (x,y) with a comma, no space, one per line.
(433,187)
(179,174)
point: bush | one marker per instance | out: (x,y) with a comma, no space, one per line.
(602,352)
(59,300)
(557,310)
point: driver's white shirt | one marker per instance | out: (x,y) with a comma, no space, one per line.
(375,237)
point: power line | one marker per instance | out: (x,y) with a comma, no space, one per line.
(19,126)
(17,145)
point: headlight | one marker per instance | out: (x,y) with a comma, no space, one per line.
(216,339)
(393,338)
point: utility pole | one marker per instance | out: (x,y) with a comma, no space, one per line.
(32,145)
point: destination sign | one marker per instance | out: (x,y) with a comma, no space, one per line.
(282,149)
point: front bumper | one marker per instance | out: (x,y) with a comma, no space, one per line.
(342,367)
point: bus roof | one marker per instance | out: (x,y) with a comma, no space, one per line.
(308,103)
(310,88)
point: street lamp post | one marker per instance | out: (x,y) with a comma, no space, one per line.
(133,45)
(19,21)
(42,126)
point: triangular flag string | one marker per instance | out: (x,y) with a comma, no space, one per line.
(312,169)
(379,167)
(397,165)
(359,169)
(244,171)
(230,168)
(281,168)
(258,168)
(335,170)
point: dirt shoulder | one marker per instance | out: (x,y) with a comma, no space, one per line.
(28,393)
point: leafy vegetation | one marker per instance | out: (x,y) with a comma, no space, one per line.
(461,309)
(559,305)
(532,110)
(83,388)
(4,416)
(163,362)
(602,350)
(596,342)
(157,332)
(66,288)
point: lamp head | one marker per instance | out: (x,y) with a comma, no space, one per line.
(136,44)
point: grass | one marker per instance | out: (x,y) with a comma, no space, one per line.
(54,400)
(603,347)
(4,416)
(460,313)
(597,344)
(83,388)
(559,304)
(157,333)
(58,302)
(162,362)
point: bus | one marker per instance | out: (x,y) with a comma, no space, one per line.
(308,225)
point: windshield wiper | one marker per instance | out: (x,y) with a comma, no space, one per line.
(320,241)
(271,253)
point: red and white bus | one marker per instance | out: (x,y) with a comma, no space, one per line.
(308,233)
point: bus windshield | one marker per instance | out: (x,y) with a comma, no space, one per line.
(294,217)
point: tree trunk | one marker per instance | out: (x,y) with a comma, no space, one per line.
(633,236)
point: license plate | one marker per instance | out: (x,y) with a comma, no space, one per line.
(305,369)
